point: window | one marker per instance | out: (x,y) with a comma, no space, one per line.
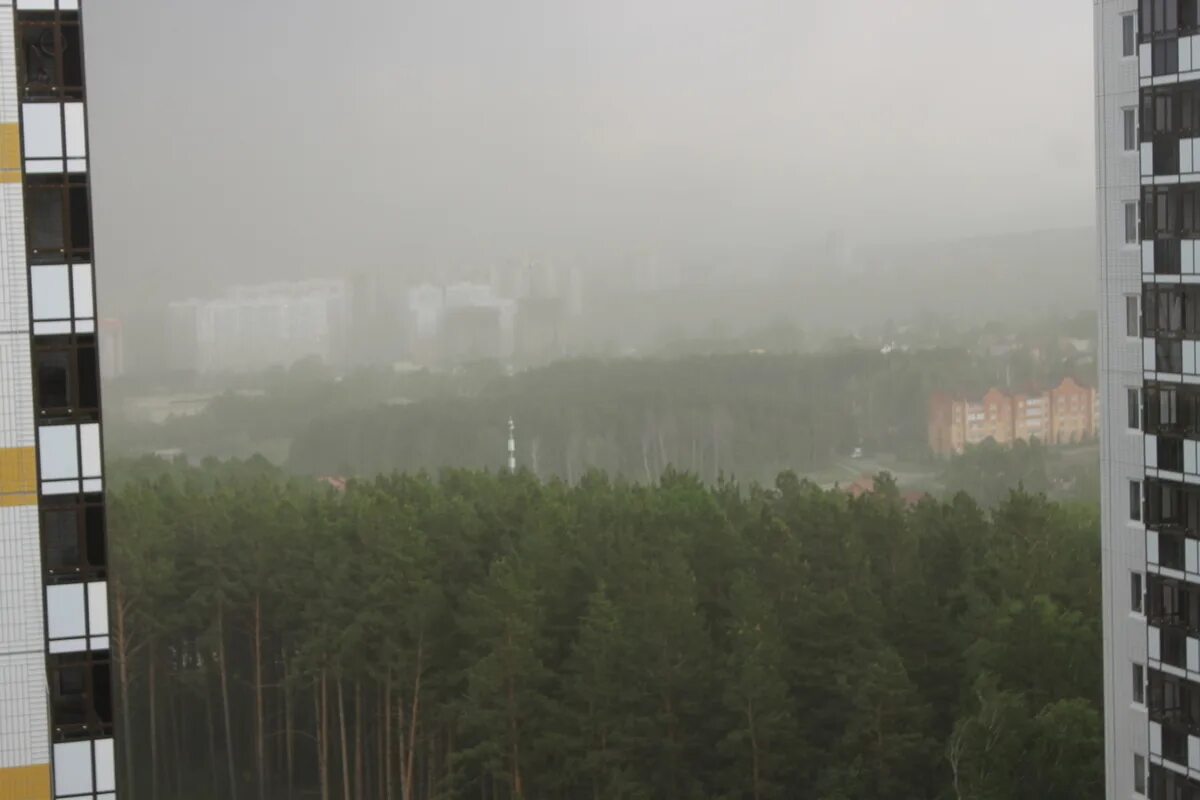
(1129,121)
(58,219)
(1128,36)
(80,695)
(74,538)
(1135,409)
(67,377)
(1164,57)
(1131,223)
(1139,684)
(1135,591)
(1139,774)
(1135,501)
(1133,314)
(1168,356)
(50,55)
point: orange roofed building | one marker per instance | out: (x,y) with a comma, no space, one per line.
(1067,414)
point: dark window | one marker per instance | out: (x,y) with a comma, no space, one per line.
(58,218)
(60,531)
(1175,745)
(1139,684)
(1133,398)
(1131,223)
(1135,591)
(1166,155)
(1171,311)
(74,538)
(54,379)
(1189,14)
(1170,453)
(1170,551)
(1139,774)
(1173,647)
(96,538)
(1133,316)
(68,377)
(1163,410)
(88,370)
(1170,211)
(1159,16)
(1167,257)
(69,700)
(51,56)
(1128,36)
(1164,57)
(1129,123)
(1168,785)
(80,695)
(1168,356)
(1135,500)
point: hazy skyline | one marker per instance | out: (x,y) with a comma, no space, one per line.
(238,140)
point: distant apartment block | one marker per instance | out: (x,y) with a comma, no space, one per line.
(1066,414)
(258,327)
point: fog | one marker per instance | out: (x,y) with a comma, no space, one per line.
(248,139)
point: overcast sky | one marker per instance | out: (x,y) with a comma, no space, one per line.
(276,137)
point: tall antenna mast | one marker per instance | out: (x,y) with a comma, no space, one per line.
(512,446)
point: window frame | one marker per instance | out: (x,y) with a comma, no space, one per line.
(1135,501)
(75,243)
(1133,316)
(96,666)
(1139,684)
(82,406)
(1129,128)
(1133,399)
(1129,35)
(1131,219)
(91,538)
(65,28)
(1137,592)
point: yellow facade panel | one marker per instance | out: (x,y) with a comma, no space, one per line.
(18,479)
(25,783)
(10,147)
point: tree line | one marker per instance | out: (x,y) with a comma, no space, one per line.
(746,415)
(497,637)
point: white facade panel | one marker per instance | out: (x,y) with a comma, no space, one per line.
(105,766)
(66,612)
(73,769)
(42,131)
(58,452)
(89,450)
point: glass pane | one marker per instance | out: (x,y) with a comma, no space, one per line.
(89,378)
(61,532)
(94,526)
(54,380)
(44,212)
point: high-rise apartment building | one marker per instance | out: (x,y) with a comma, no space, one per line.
(56,714)
(1148,204)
